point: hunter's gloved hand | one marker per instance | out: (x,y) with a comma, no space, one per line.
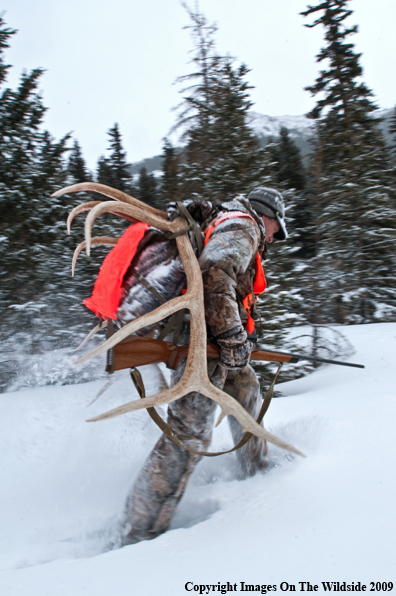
(235,351)
(199,210)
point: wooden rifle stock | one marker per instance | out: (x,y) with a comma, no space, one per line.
(137,351)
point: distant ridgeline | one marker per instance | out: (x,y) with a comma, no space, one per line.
(267,129)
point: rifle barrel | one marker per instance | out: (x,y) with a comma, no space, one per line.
(297,357)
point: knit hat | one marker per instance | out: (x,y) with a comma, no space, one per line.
(269,202)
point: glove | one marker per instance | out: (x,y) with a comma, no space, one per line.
(235,351)
(199,210)
(172,211)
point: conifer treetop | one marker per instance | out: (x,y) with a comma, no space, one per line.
(339,82)
(76,166)
(222,156)
(115,170)
(5,34)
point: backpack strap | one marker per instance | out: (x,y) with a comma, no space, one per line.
(231,214)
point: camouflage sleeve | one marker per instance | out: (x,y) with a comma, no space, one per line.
(225,260)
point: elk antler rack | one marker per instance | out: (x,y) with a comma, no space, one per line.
(195,376)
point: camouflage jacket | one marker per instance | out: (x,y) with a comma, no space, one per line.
(228,267)
(227,264)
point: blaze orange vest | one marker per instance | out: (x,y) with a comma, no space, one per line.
(106,295)
(259,283)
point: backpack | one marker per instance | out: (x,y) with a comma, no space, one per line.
(107,292)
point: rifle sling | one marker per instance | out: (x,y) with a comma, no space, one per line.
(149,287)
(166,429)
(193,226)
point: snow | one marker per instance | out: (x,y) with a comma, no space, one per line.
(269,126)
(327,518)
(299,127)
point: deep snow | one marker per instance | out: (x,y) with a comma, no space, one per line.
(329,517)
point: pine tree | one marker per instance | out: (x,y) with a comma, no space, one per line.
(118,160)
(356,226)
(290,174)
(32,252)
(104,173)
(20,116)
(115,170)
(5,34)
(288,166)
(147,188)
(309,213)
(222,155)
(170,180)
(76,166)
(40,302)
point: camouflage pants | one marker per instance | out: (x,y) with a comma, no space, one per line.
(164,476)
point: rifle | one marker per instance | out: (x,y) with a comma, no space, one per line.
(137,351)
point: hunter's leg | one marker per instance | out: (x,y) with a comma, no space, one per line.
(243,385)
(163,478)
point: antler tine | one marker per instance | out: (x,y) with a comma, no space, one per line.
(105,190)
(99,327)
(155,218)
(98,241)
(90,205)
(79,209)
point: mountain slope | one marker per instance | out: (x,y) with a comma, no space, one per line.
(268,128)
(301,128)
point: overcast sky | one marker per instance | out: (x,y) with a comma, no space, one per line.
(113,61)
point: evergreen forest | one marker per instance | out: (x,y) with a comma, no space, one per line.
(338,266)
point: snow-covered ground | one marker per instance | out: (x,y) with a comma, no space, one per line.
(327,518)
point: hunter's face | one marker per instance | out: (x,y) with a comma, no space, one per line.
(271,227)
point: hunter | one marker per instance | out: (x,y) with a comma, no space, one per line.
(234,243)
